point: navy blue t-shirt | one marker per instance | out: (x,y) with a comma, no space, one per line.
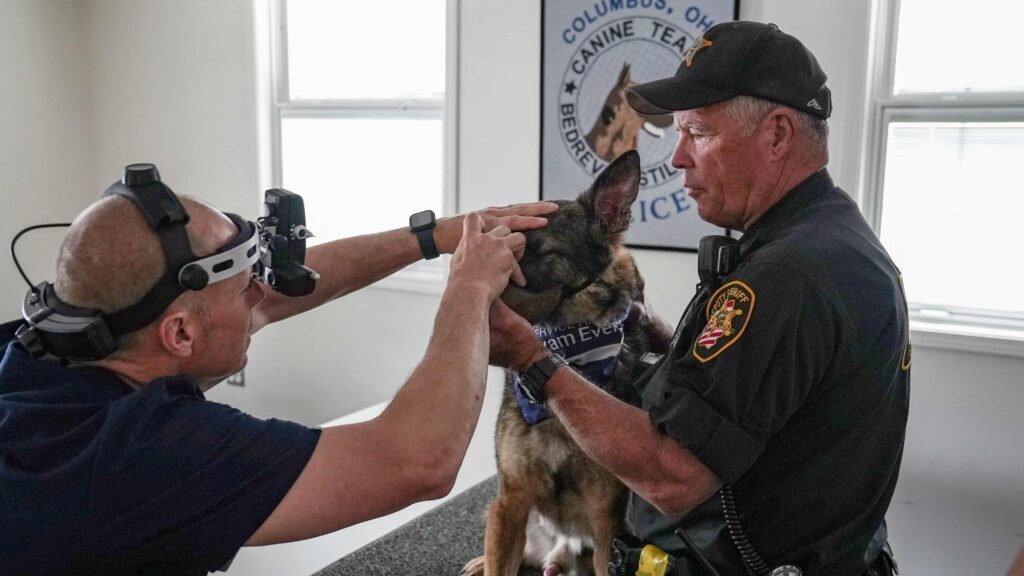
(97,478)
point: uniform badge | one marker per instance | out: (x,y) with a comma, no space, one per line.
(694,48)
(728,312)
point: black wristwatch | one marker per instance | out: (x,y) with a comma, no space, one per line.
(533,382)
(422,225)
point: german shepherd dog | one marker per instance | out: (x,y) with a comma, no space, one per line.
(557,509)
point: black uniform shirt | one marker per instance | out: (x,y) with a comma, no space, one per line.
(791,383)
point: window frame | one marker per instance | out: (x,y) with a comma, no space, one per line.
(427,277)
(933,326)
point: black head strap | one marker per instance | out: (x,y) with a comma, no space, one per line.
(141,184)
(167,216)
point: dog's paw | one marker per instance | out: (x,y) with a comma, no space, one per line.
(553,569)
(474,567)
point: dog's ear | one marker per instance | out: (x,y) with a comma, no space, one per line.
(624,75)
(610,199)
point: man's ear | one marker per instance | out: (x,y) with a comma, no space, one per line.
(177,332)
(780,125)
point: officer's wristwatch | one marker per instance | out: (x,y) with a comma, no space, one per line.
(422,225)
(533,382)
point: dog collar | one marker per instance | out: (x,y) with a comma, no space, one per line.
(591,350)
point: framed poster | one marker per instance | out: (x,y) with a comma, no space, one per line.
(591,50)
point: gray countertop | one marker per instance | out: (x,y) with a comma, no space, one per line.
(439,542)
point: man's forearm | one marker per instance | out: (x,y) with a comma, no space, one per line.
(344,266)
(438,408)
(349,264)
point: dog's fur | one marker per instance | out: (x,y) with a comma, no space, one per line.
(556,509)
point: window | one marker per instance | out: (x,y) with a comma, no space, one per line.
(942,186)
(358,111)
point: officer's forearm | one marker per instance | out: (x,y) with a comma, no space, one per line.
(621,438)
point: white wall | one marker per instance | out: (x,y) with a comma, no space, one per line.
(46,146)
(97,84)
(173,84)
(959,505)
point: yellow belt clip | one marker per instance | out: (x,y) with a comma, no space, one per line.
(653,561)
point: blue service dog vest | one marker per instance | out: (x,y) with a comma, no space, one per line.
(592,350)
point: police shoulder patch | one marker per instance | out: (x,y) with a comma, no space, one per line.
(729,309)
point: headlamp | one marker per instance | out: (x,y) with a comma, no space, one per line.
(239,255)
(272,249)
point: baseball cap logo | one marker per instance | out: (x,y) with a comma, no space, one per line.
(694,48)
(814,104)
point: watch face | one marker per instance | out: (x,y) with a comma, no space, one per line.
(421,220)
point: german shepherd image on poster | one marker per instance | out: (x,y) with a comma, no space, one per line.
(556,509)
(617,129)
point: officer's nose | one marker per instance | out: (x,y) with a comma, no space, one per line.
(681,157)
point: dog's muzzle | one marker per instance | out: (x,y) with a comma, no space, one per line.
(534,306)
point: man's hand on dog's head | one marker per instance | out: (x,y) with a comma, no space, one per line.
(513,342)
(486,259)
(518,217)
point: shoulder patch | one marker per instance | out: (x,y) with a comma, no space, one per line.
(729,309)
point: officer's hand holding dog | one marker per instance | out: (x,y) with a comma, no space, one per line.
(513,342)
(654,327)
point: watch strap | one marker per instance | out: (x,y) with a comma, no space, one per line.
(534,380)
(424,232)
(427,246)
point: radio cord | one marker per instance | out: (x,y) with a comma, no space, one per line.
(751,559)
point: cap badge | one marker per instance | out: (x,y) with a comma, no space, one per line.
(728,311)
(814,104)
(699,43)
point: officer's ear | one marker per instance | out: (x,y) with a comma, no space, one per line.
(779,131)
(178,330)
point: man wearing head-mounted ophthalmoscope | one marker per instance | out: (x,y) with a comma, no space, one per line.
(111,459)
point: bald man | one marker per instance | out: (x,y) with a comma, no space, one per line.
(120,466)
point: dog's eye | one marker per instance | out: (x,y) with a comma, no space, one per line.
(607,115)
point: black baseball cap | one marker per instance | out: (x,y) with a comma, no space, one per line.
(739,58)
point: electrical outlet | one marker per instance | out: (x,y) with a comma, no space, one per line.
(237,379)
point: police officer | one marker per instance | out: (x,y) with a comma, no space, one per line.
(770,435)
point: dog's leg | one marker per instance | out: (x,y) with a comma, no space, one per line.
(506,529)
(606,515)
